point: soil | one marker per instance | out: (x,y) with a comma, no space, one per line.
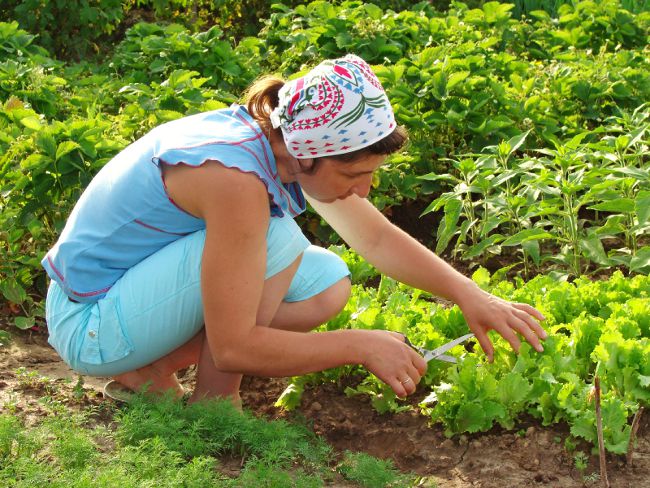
(528,456)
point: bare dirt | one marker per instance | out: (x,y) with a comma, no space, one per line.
(529,456)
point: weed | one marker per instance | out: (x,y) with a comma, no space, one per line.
(11,404)
(32,380)
(368,471)
(5,338)
(581,461)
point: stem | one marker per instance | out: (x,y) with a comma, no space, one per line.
(601,442)
(525,263)
(573,234)
(635,426)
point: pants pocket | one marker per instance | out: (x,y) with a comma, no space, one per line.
(105,339)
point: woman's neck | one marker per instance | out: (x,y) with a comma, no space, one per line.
(286,164)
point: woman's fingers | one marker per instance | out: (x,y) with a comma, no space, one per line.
(396,363)
(485,344)
(526,313)
(516,318)
(520,323)
(408,384)
(398,387)
(530,310)
(507,333)
(419,363)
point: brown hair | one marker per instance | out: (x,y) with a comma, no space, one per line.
(262,97)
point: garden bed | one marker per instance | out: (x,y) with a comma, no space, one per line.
(529,455)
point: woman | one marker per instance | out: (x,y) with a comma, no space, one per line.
(183,249)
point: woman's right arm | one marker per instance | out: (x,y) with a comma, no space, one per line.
(235,207)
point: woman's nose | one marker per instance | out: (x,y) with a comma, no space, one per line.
(362,189)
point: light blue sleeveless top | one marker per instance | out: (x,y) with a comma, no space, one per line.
(125,214)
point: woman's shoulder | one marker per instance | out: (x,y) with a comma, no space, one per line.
(197,189)
(224,126)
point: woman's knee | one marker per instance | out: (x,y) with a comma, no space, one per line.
(332,300)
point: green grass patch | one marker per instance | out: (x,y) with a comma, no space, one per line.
(168,444)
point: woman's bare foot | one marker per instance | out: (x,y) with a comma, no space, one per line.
(151,380)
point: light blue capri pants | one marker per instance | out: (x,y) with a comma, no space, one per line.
(156,306)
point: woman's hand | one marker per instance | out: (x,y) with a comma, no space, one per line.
(484,311)
(392,361)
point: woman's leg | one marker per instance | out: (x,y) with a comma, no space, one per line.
(300,316)
(161,306)
(318,288)
(298,295)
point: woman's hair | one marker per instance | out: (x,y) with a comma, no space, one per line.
(262,97)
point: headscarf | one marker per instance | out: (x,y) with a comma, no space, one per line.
(336,108)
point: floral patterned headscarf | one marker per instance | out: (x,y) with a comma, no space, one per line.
(336,108)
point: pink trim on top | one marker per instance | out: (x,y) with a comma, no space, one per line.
(271,197)
(137,221)
(268,168)
(76,293)
(90,293)
(210,143)
(171,200)
(58,273)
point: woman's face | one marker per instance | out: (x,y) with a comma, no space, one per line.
(335,179)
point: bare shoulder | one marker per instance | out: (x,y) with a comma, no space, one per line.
(202,190)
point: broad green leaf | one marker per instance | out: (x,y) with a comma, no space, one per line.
(513,388)
(517,141)
(472,417)
(575,141)
(526,235)
(642,207)
(481,277)
(13,292)
(435,177)
(35,161)
(456,78)
(32,122)
(593,249)
(479,248)
(291,396)
(641,261)
(532,249)
(64,148)
(24,323)
(638,173)
(448,225)
(620,205)
(46,143)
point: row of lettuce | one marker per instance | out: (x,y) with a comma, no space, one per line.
(529,137)
(595,328)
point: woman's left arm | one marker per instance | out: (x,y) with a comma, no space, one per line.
(398,255)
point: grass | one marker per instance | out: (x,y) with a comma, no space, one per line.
(168,444)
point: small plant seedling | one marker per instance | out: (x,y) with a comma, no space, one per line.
(569,444)
(78,389)
(581,461)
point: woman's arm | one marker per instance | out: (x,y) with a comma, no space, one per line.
(235,207)
(398,255)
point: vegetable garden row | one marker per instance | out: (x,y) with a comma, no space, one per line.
(529,141)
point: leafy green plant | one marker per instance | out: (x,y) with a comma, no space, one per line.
(599,326)
(69,27)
